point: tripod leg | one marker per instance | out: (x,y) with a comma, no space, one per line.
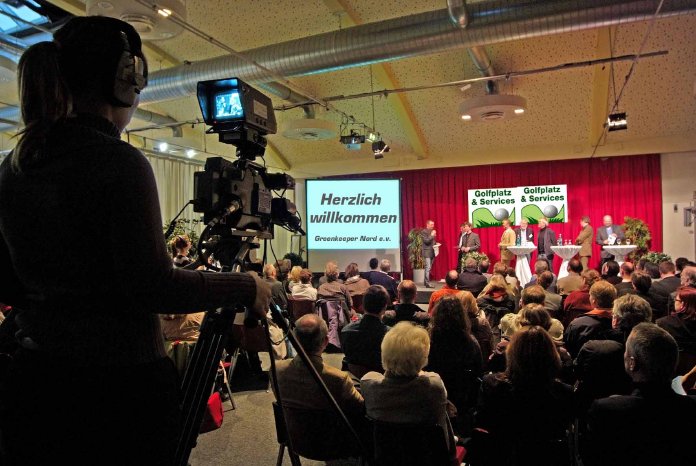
(281,452)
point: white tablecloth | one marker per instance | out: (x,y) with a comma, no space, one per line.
(620,252)
(522,270)
(567,253)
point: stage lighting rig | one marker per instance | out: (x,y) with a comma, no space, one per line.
(617,122)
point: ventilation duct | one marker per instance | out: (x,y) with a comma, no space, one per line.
(489,22)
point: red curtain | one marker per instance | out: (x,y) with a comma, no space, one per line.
(617,186)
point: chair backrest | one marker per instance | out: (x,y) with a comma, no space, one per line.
(396,444)
(300,307)
(357,370)
(358,303)
(250,339)
(318,435)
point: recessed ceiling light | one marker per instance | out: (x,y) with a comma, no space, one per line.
(466,117)
(519,111)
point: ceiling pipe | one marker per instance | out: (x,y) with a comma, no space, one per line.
(457,13)
(9,120)
(489,22)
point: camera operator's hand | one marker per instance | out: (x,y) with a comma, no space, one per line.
(263,296)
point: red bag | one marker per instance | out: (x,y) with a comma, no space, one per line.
(212,419)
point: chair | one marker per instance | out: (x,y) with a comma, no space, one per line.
(250,340)
(357,370)
(424,444)
(313,434)
(358,303)
(300,307)
(487,449)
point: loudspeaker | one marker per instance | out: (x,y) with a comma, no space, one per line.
(131,76)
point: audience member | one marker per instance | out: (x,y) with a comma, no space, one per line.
(594,324)
(449,288)
(456,356)
(578,301)
(610,272)
(406,310)
(525,408)
(181,327)
(305,290)
(299,390)
(496,300)
(380,276)
(181,246)
(642,284)
(471,279)
(277,291)
(511,278)
(573,281)
(361,340)
(653,425)
(599,366)
(668,282)
(354,283)
(552,303)
(541,266)
(625,286)
(688,278)
(330,266)
(653,270)
(333,288)
(405,393)
(681,324)
(293,278)
(679,264)
(480,327)
(483,267)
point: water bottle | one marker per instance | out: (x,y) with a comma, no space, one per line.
(560,240)
(518,240)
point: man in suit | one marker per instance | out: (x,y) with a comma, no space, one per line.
(607,235)
(507,240)
(524,234)
(571,282)
(642,284)
(653,425)
(471,279)
(468,242)
(547,238)
(626,286)
(298,388)
(381,277)
(428,234)
(668,282)
(584,240)
(361,341)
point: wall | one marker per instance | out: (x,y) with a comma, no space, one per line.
(678,187)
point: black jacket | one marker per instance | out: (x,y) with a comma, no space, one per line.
(471,280)
(361,342)
(376,277)
(652,426)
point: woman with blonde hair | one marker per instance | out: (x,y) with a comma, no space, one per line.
(293,278)
(405,393)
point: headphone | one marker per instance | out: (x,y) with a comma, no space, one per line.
(131,75)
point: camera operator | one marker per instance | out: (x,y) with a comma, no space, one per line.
(91,337)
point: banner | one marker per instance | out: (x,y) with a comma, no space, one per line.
(550,201)
(489,207)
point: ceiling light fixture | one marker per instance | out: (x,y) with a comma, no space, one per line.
(492,107)
(164,12)
(162,146)
(190,153)
(617,122)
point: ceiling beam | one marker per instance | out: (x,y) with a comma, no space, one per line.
(600,86)
(386,79)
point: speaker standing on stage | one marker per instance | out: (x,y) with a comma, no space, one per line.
(546,238)
(584,240)
(91,333)
(508,239)
(428,234)
(468,242)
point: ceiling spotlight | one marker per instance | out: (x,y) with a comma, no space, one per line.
(617,122)
(353,138)
(162,147)
(372,137)
(466,117)
(519,111)
(190,153)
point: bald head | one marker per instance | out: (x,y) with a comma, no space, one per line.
(607,220)
(311,331)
